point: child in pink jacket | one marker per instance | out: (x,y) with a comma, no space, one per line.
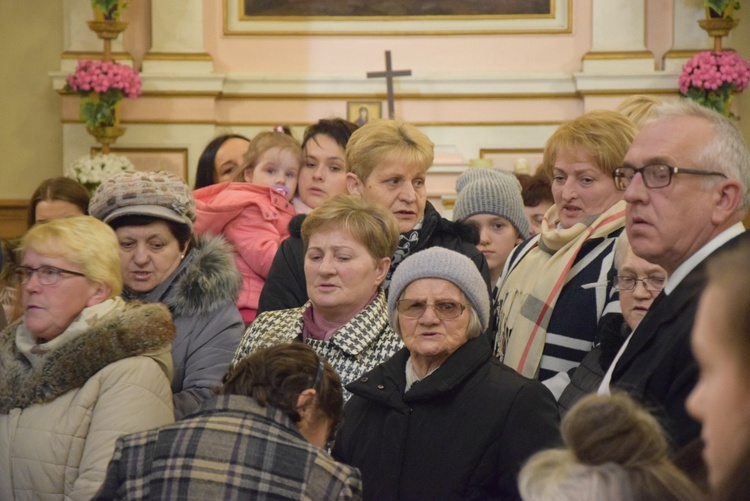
(254,210)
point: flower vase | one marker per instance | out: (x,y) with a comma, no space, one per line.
(718,25)
(107,27)
(106,116)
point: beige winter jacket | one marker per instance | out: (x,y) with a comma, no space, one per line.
(59,420)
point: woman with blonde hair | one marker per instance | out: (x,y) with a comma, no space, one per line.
(348,243)
(615,450)
(549,298)
(80,368)
(387,163)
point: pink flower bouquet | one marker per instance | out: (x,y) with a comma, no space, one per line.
(711,79)
(102,85)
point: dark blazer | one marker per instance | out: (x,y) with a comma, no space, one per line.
(658,367)
(286,287)
(461,433)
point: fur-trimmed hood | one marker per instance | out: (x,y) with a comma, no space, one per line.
(205,281)
(136,329)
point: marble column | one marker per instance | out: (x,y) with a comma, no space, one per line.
(177,38)
(618,38)
(688,38)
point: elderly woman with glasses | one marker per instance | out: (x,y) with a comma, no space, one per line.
(80,368)
(638,283)
(550,299)
(443,419)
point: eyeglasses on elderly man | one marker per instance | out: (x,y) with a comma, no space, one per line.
(655,175)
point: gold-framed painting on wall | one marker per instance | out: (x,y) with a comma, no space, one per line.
(406,17)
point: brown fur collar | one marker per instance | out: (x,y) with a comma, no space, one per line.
(136,329)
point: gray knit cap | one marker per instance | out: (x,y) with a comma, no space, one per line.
(156,194)
(439,262)
(491,191)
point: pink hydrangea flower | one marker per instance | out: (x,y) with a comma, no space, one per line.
(101,77)
(711,78)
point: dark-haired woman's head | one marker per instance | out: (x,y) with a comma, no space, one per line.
(57,197)
(221,159)
(323,173)
(294,379)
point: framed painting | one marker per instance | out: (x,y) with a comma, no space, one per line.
(513,159)
(172,160)
(406,17)
(361,112)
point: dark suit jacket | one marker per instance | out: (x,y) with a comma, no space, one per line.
(658,367)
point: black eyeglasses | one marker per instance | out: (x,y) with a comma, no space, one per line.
(655,175)
(47,275)
(415,308)
(625,283)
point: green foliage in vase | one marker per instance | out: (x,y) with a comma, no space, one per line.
(719,6)
(110,8)
(98,110)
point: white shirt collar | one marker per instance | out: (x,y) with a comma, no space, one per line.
(690,263)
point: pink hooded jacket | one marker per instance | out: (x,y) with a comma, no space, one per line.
(255,220)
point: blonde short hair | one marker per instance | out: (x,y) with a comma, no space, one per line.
(370,224)
(602,134)
(84,241)
(384,141)
(637,108)
(264,142)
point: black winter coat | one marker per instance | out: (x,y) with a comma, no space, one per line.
(461,433)
(286,287)
(658,367)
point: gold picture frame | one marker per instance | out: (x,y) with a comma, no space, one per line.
(550,16)
(361,112)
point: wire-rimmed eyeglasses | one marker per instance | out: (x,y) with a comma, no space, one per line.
(655,175)
(626,283)
(415,308)
(47,275)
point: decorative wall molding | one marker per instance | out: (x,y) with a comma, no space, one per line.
(13,218)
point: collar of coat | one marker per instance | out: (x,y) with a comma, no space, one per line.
(205,280)
(391,376)
(352,338)
(134,330)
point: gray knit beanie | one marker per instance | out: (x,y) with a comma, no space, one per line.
(490,191)
(439,262)
(156,194)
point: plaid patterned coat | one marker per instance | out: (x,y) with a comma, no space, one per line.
(230,449)
(359,346)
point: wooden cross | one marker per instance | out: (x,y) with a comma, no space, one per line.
(388,74)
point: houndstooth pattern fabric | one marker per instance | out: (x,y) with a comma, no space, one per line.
(363,343)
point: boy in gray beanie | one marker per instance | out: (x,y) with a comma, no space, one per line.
(491,200)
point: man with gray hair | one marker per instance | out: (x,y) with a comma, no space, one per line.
(685,180)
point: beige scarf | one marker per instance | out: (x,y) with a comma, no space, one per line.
(529,292)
